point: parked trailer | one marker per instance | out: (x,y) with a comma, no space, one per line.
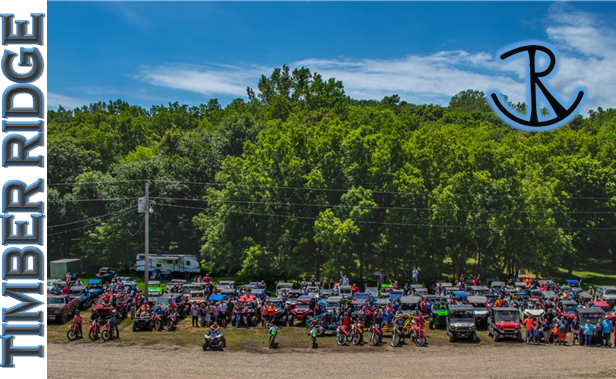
(59,268)
(169,264)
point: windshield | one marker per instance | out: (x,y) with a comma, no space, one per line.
(462,315)
(246,304)
(55,300)
(278,304)
(610,292)
(162,301)
(386,289)
(479,305)
(361,297)
(569,308)
(302,306)
(506,316)
(408,306)
(197,295)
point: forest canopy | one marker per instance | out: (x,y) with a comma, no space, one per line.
(300,179)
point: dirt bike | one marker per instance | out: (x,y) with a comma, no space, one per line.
(94,330)
(396,335)
(313,337)
(108,332)
(418,335)
(73,331)
(157,322)
(342,335)
(171,322)
(273,331)
(375,338)
(357,334)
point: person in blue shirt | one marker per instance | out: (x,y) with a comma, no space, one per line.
(588,332)
(262,296)
(607,331)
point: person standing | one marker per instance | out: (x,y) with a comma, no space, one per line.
(528,325)
(264,315)
(588,332)
(415,275)
(223,314)
(195,315)
(607,331)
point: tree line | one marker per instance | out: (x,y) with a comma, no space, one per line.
(300,179)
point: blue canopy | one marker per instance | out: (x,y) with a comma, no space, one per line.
(573,281)
(460,294)
(94,281)
(217,297)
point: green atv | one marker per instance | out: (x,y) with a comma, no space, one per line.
(384,290)
(439,314)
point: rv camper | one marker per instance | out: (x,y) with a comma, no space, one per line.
(169,264)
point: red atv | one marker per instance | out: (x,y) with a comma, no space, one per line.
(301,310)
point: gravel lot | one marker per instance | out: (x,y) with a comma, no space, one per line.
(506,360)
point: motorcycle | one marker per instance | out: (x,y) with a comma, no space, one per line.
(357,334)
(342,335)
(418,335)
(313,337)
(107,333)
(375,338)
(94,330)
(171,320)
(273,331)
(396,335)
(214,340)
(73,331)
(157,322)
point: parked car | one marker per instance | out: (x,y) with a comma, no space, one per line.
(59,307)
(461,322)
(607,294)
(504,322)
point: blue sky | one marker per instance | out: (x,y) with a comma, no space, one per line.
(152,53)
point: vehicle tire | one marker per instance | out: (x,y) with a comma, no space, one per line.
(290,321)
(520,339)
(474,337)
(105,335)
(253,321)
(92,336)
(183,313)
(320,332)
(395,340)
(374,339)
(63,318)
(420,341)
(451,337)
(125,313)
(221,346)
(204,346)
(271,342)
(496,337)
(89,303)
(342,339)
(431,323)
(134,327)
(149,326)
(158,325)
(355,339)
(170,326)
(71,335)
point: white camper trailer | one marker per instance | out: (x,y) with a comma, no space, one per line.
(169,264)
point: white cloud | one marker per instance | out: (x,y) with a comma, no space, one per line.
(587,47)
(55,100)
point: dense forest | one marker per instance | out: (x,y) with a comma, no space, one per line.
(300,179)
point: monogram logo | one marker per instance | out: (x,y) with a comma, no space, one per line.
(563,115)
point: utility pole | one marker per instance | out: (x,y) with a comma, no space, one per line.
(146,270)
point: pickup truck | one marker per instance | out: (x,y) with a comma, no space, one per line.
(60,306)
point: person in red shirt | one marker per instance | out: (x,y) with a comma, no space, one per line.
(65,290)
(476,280)
(78,320)
(394,283)
(207,278)
(346,321)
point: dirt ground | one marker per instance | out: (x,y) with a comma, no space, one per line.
(507,360)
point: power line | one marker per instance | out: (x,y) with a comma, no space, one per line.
(330,189)
(381,207)
(443,226)
(86,226)
(78,200)
(77,222)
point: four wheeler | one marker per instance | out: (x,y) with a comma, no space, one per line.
(73,331)
(325,322)
(480,305)
(214,340)
(281,314)
(504,322)
(461,322)
(439,313)
(145,321)
(301,310)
